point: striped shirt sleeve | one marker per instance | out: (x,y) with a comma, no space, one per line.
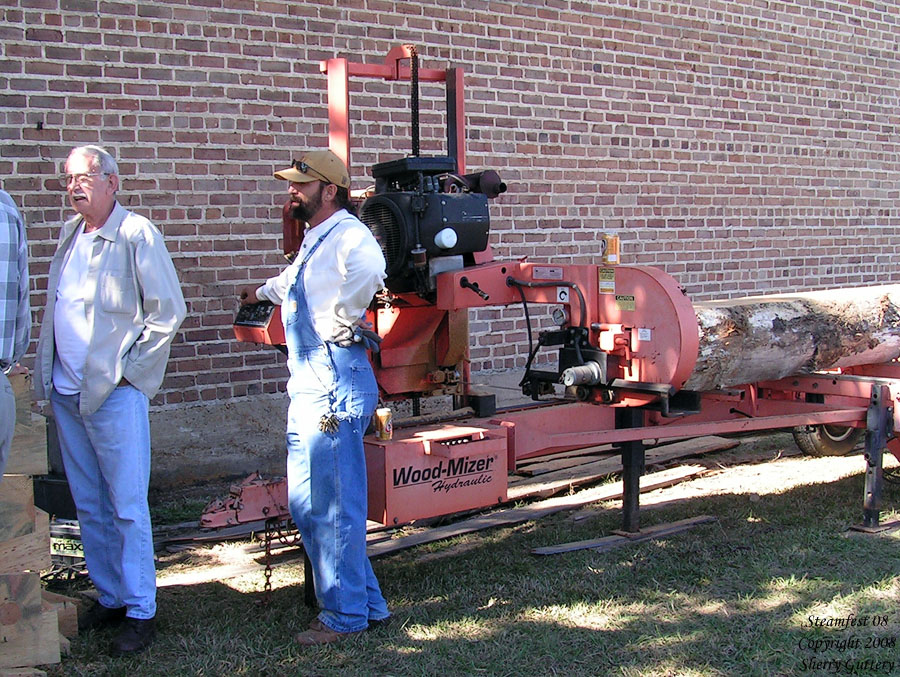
(15,312)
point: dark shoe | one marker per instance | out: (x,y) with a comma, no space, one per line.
(97,615)
(136,635)
(319,634)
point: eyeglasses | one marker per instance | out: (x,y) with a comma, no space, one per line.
(306,169)
(80,179)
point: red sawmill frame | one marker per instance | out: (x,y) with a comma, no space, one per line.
(403,472)
(339,72)
(406,363)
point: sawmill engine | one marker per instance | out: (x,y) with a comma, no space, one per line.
(428,219)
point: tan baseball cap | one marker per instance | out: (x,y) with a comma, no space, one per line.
(317,165)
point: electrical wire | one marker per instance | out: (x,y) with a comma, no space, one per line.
(532,350)
(513,282)
(519,284)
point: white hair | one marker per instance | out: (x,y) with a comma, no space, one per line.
(107,163)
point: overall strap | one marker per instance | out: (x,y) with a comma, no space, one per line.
(329,422)
(315,246)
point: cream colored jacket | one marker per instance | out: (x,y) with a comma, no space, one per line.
(134,306)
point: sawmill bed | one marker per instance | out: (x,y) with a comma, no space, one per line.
(540,478)
(383,540)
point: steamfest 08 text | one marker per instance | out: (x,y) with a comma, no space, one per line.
(862,648)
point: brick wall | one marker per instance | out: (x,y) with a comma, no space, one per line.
(744,147)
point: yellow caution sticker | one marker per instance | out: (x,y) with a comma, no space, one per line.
(624,302)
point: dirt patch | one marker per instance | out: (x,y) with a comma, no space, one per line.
(217,442)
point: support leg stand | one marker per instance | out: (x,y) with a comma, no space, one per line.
(879,425)
(632,469)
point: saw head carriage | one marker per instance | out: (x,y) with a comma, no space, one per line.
(621,334)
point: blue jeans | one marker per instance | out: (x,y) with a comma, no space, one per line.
(327,481)
(107,461)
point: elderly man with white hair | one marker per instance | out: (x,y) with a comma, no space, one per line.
(114,304)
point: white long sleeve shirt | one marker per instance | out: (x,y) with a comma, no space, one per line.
(340,278)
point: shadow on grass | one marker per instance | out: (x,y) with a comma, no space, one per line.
(729,598)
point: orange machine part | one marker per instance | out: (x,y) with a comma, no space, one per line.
(271,332)
(437,470)
(645,306)
(417,340)
(660,319)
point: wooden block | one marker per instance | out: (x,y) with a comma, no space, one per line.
(16,506)
(559,480)
(28,455)
(30,552)
(66,611)
(47,650)
(567,461)
(28,635)
(621,538)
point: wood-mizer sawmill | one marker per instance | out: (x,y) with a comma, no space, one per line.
(635,359)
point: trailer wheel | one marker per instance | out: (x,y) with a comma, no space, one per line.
(826,440)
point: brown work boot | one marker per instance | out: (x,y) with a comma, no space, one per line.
(136,635)
(97,615)
(319,634)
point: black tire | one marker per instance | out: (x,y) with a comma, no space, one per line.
(827,440)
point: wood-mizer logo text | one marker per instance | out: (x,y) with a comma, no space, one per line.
(449,474)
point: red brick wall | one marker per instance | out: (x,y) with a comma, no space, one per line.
(744,147)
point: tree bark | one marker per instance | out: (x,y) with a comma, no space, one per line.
(770,337)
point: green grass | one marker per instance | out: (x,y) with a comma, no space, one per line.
(177,510)
(727,598)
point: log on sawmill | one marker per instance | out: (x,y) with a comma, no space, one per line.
(763,338)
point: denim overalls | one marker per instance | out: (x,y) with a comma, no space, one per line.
(327,469)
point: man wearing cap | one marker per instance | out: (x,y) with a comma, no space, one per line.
(324,294)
